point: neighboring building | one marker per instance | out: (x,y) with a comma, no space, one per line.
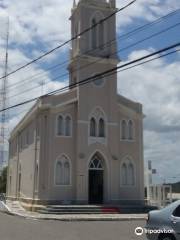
(85,145)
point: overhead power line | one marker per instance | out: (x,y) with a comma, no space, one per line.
(115,69)
(90,79)
(97,61)
(70,40)
(124,36)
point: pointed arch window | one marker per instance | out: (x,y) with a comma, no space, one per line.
(130,174)
(130,130)
(94,33)
(124,174)
(96,163)
(60,125)
(59,173)
(93,127)
(123,129)
(101,35)
(62,172)
(101,128)
(68,124)
(64,125)
(66,173)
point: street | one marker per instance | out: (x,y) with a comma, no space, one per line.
(15,228)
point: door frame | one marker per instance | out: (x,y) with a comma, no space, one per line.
(106,175)
(96,170)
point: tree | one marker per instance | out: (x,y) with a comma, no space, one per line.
(3,180)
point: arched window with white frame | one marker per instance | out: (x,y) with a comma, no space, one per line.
(94,33)
(63,171)
(60,125)
(68,126)
(131,179)
(66,173)
(124,174)
(59,173)
(101,35)
(123,129)
(101,128)
(93,127)
(96,163)
(127,173)
(97,125)
(98,30)
(130,130)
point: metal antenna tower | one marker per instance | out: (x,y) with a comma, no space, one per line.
(3,95)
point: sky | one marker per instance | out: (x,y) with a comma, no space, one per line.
(38,26)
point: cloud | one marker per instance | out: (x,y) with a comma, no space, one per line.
(25,84)
(33,20)
(144,10)
(156,86)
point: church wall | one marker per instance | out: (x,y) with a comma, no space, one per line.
(12,166)
(132,149)
(26,159)
(58,146)
(91,96)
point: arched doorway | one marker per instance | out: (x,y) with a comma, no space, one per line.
(96,180)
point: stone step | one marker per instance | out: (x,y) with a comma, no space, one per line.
(78,210)
(88,209)
(72,212)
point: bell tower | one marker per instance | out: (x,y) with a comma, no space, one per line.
(99,41)
(92,53)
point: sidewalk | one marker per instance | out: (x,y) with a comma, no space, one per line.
(14,208)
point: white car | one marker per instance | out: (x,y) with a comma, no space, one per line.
(164,224)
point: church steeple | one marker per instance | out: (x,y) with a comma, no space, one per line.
(74,3)
(112,3)
(97,43)
(86,14)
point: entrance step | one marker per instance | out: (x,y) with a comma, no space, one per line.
(89,209)
(78,210)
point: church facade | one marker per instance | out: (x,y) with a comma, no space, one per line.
(84,146)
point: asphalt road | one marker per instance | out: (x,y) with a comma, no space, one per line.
(15,228)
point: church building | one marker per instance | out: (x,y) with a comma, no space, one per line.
(83,146)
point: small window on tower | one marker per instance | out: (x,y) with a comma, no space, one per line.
(101,35)
(98,81)
(94,34)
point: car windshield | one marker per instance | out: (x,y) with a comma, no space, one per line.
(172,206)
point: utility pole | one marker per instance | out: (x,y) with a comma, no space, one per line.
(149,175)
(3,96)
